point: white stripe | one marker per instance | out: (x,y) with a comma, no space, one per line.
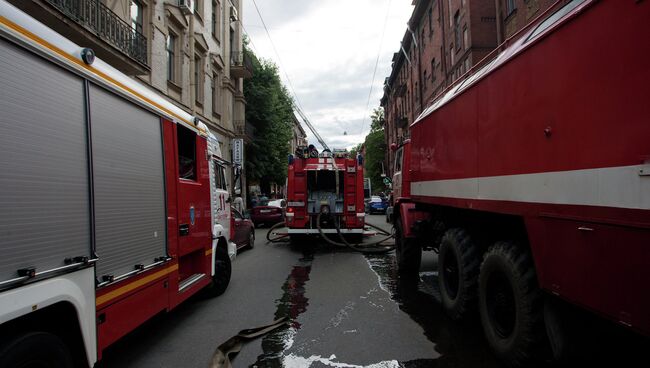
(621,186)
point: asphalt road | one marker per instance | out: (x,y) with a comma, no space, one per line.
(346,310)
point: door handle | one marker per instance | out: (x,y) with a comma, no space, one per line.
(183,230)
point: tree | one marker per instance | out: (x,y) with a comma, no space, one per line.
(375,145)
(269,110)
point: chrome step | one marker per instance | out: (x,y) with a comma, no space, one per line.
(190,281)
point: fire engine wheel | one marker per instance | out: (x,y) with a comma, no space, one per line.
(36,350)
(458,267)
(408,252)
(510,303)
(222,271)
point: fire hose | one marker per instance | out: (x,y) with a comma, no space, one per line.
(359,247)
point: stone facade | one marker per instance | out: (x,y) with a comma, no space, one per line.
(193,51)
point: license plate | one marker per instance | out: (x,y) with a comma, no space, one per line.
(265,211)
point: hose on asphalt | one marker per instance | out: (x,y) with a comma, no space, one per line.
(222,355)
(278,238)
(372,247)
(366,248)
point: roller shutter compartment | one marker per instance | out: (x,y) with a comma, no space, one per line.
(128,184)
(44,190)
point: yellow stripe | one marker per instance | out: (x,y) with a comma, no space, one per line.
(98,73)
(208,252)
(134,285)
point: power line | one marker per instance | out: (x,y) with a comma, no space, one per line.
(278,56)
(249,38)
(374,72)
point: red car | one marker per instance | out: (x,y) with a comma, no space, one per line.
(244,231)
(269,213)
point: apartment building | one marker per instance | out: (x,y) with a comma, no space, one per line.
(444,39)
(187,50)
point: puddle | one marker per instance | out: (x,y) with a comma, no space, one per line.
(458,345)
(292,303)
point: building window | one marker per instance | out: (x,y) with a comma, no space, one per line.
(451,54)
(433,70)
(417,93)
(198,79)
(216,20)
(510,6)
(430,22)
(465,38)
(422,37)
(186,140)
(457,29)
(216,94)
(196,4)
(136,16)
(467,67)
(171,51)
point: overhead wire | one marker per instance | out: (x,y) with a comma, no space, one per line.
(275,51)
(374,72)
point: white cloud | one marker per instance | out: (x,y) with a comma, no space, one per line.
(328,48)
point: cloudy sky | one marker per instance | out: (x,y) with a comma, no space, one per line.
(328,49)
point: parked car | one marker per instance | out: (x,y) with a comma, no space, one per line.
(376,205)
(244,231)
(269,214)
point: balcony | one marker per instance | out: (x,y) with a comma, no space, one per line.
(240,65)
(89,23)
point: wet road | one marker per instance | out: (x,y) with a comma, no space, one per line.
(346,310)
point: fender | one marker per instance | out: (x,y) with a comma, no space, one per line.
(410,216)
(218,234)
(75,288)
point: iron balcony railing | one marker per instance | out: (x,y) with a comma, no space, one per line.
(103,22)
(241,59)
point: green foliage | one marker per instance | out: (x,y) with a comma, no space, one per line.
(375,145)
(355,150)
(377,119)
(269,110)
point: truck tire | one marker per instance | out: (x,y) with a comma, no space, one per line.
(36,349)
(511,304)
(458,268)
(407,251)
(222,272)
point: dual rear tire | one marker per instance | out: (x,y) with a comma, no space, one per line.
(503,287)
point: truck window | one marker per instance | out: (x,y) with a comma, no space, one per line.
(398,160)
(217,174)
(186,140)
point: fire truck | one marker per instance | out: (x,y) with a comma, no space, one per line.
(530,177)
(113,201)
(325,194)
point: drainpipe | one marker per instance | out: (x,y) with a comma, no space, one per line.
(497,4)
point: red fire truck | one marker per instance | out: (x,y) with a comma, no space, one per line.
(106,214)
(531,178)
(325,194)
